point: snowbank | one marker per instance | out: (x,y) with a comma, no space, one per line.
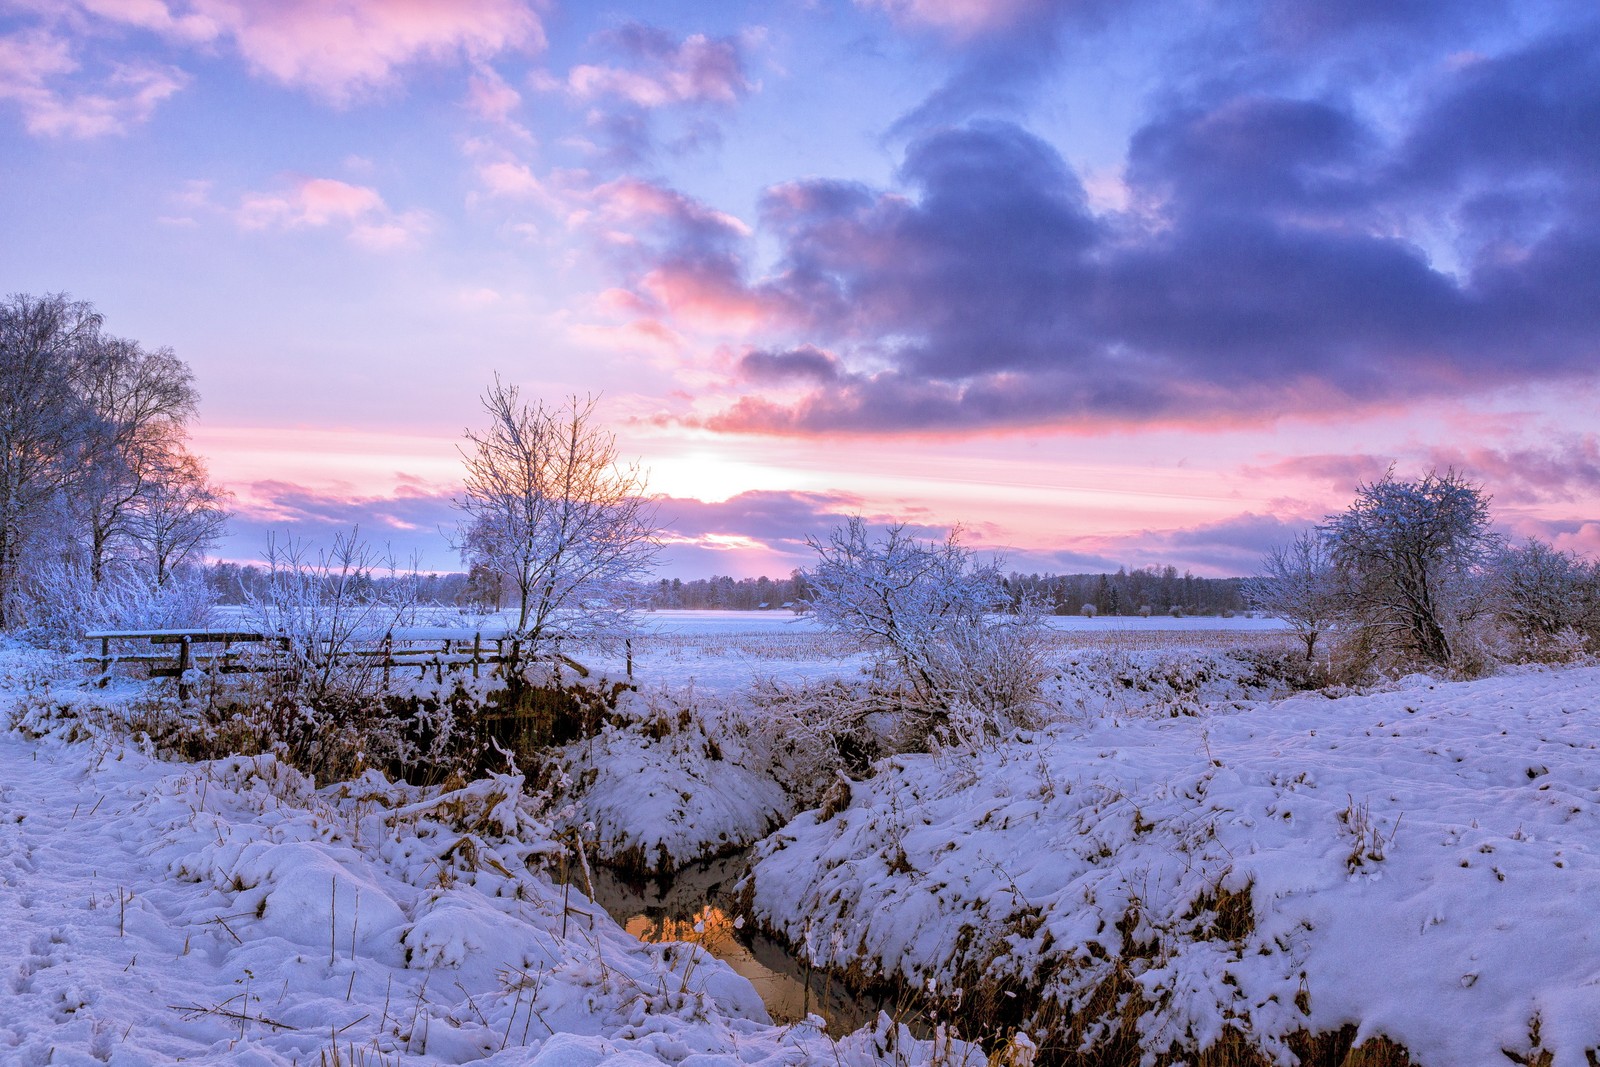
(677,782)
(1422,864)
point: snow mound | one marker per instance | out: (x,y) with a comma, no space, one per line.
(675,783)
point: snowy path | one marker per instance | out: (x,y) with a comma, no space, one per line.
(76,940)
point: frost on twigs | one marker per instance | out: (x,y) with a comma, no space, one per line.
(962,665)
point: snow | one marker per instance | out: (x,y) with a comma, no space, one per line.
(1423,864)
(233,912)
(675,784)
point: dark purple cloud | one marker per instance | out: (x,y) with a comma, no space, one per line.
(772,517)
(411,524)
(1281,254)
(805,363)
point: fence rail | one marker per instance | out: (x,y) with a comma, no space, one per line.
(422,648)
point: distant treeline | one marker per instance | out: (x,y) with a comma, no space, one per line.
(1159,589)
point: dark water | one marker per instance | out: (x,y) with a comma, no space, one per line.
(697,905)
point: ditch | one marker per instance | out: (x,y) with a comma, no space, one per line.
(697,904)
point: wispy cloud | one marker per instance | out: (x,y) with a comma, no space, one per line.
(341,51)
(655,75)
(661,70)
(41,76)
(358,211)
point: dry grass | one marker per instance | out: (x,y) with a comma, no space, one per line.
(1142,640)
(798,646)
(801,646)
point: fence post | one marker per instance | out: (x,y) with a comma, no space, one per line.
(627,644)
(183,667)
(388,657)
(477,651)
(105,662)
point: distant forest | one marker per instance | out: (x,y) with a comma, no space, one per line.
(1160,589)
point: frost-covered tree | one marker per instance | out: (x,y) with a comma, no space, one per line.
(932,609)
(322,604)
(1410,552)
(176,517)
(141,402)
(1298,584)
(1541,593)
(44,428)
(552,509)
(93,472)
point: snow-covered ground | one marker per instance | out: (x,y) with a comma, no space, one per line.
(230,912)
(1422,864)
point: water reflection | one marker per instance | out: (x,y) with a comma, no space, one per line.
(696,906)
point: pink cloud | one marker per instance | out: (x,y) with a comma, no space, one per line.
(662,71)
(703,296)
(635,200)
(489,97)
(514,181)
(343,48)
(338,49)
(33,63)
(327,202)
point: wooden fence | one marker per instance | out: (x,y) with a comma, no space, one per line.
(175,653)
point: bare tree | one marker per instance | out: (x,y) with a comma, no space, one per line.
(176,517)
(141,401)
(321,603)
(1298,584)
(1410,550)
(44,423)
(551,508)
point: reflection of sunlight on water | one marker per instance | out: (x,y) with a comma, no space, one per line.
(688,908)
(786,998)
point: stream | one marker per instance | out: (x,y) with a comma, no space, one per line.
(696,905)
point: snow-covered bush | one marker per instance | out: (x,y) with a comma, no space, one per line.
(933,612)
(320,605)
(1410,555)
(61,601)
(1298,584)
(1549,599)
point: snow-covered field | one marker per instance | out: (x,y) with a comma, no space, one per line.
(1173,858)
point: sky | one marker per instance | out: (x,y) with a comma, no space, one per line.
(1103,282)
